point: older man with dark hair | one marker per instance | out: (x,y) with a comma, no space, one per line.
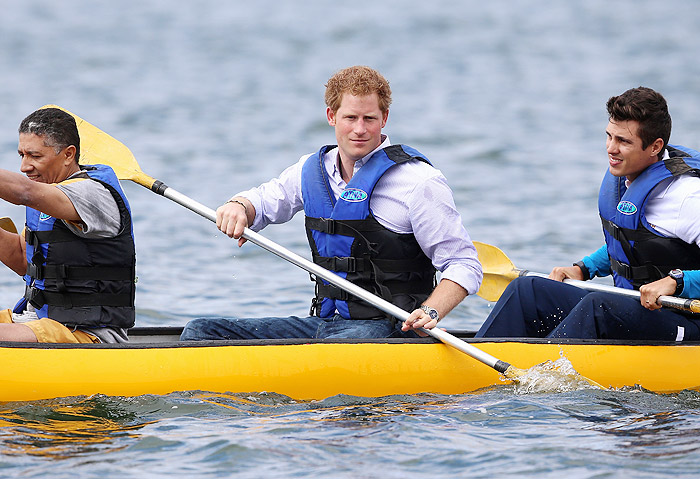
(76,252)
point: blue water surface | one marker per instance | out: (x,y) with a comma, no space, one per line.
(506,98)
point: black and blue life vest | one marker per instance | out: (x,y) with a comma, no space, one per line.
(78,281)
(638,253)
(346,238)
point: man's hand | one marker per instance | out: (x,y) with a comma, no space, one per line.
(650,292)
(232,218)
(419,319)
(560,273)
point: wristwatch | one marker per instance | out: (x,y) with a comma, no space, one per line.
(584,270)
(677,274)
(432,312)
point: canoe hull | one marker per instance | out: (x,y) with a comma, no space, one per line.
(317,370)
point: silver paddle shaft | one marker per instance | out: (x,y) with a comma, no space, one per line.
(692,305)
(336,280)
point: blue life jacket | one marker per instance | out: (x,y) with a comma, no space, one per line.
(78,281)
(638,253)
(345,238)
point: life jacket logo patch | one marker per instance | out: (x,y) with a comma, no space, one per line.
(626,207)
(44,217)
(353,195)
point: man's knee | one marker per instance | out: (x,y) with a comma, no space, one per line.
(202,329)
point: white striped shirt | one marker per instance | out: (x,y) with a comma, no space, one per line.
(410,198)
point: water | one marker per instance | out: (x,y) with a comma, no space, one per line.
(506,98)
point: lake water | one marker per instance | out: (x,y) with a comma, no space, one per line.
(506,98)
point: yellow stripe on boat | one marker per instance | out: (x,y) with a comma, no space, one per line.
(321,369)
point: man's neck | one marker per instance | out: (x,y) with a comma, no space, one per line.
(347,168)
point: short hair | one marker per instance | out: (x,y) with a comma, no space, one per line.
(55,126)
(648,108)
(358,81)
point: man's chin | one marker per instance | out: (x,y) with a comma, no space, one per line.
(615,171)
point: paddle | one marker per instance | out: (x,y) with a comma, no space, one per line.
(7,224)
(99,147)
(499,271)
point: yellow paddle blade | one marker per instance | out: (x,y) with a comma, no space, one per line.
(499,271)
(97,147)
(7,224)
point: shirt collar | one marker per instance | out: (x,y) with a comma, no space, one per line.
(361,162)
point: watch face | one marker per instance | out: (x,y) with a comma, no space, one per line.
(430,312)
(676,274)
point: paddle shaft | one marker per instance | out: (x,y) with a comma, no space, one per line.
(98,147)
(499,271)
(313,268)
(692,305)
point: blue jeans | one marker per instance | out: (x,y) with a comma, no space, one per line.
(539,307)
(312,327)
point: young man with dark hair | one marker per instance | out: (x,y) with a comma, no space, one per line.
(648,203)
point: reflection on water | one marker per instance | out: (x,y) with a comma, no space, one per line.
(252,434)
(647,430)
(65,428)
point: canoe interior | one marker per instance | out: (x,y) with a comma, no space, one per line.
(169,336)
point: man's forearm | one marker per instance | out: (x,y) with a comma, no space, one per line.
(446,295)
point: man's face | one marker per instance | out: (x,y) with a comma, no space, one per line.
(625,153)
(41,163)
(358,125)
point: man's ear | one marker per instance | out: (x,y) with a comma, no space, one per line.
(69,153)
(330,115)
(657,146)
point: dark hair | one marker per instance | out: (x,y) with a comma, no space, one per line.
(56,126)
(648,108)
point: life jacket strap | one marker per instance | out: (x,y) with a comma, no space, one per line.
(626,234)
(349,264)
(341,227)
(63,272)
(36,238)
(38,298)
(396,287)
(637,274)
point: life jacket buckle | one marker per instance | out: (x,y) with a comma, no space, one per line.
(328,226)
(35,271)
(34,296)
(347,264)
(315,309)
(622,269)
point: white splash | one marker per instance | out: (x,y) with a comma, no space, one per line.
(552,377)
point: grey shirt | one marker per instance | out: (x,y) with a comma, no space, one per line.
(100,219)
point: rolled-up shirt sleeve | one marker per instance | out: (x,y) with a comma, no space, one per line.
(278,200)
(438,228)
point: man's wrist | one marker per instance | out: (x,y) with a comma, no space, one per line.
(584,270)
(237,201)
(679,277)
(432,312)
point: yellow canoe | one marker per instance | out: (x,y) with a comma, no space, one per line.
(154,362)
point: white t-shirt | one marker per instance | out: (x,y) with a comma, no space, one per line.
(673,208)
